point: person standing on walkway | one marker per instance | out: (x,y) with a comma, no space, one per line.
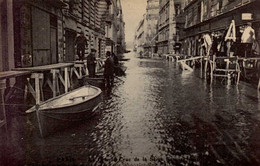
(81,42)
(91,63)
(109,70)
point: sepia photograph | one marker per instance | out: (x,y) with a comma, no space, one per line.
(129,83)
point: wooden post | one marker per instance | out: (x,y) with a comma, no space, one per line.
(37,89)
(229,78)
(80,71)
(2,106)
(206,66)
(41,85)
(258,87)
(238,78)
(86,69)
(57,82)
(185,66)
(54,82)
(212,65)
(66,77)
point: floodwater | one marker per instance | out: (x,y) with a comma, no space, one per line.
(155,115)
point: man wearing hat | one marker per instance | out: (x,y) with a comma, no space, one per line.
(109,70)
(81,42)
(91,63)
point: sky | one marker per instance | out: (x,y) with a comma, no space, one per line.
(133,11)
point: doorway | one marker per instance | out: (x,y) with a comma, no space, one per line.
(53,38)
(70,36)
(41,37)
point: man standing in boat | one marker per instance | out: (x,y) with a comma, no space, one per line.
(115,59)
(81,42)
(109,70)
(91,63)
(116,64)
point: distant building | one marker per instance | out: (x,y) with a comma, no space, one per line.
(121,45)
(140,36)
(152,11)
(169,24)
(146,32)
(114,27)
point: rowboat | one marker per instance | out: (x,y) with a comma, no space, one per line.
(61,112)
(120,70)
(98,81)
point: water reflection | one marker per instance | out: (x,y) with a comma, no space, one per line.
(159,115)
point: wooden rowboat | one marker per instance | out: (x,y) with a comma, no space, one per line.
(98,81)
(61,112)
(120,70)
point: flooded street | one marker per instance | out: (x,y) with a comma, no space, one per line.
(157,115)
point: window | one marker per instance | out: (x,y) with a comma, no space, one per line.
(177,9)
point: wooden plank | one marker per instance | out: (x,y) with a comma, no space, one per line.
(45,67)
(76,72)
(226,70)
(185,66)
(50,84)
(62,80)
(54,82)
(37,90)
(190,59)
(11,74)
(31,90)
(66,78)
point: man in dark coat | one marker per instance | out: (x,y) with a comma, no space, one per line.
(81,42)
(116,64)
(109,70)
(91,63)
(115,58)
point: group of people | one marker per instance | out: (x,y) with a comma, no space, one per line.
(110,62)
(109,66)
(242,43)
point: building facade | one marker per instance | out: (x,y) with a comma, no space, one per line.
(140,36)
(214,18)
(169,24)
(121,45)
(152,11)
(146,32)
(6,36)
(85,16)
(114,27)
(43,32)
